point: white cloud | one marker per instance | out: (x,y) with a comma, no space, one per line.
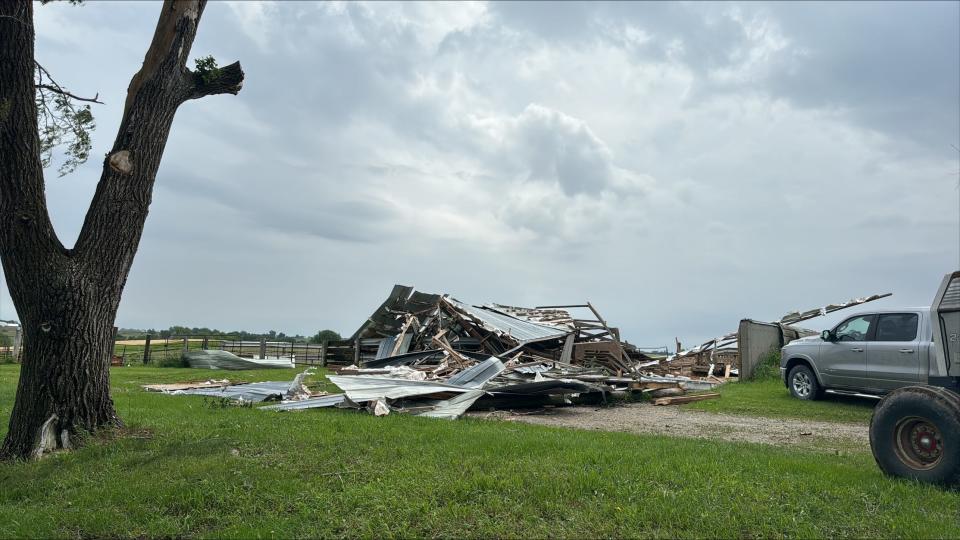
(256,20)
(643,156)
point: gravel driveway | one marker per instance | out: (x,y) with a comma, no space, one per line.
(833,437)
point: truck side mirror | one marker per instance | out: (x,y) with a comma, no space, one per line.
(826,335)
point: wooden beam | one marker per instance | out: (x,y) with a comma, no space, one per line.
(403,332)
(675,400)
(567,350)
(622,358)
(441,342)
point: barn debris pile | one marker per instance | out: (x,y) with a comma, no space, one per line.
(482,384)
(411,325)
(433,355)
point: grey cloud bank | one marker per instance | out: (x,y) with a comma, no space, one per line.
(679,165)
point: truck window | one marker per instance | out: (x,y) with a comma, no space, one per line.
(855,329)
(897,327)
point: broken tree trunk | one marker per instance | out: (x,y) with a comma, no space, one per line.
(67,299)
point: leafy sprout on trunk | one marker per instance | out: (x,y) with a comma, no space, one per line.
(207,69)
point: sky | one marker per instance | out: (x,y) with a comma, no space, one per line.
(679,165)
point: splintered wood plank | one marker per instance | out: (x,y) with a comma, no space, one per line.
(676,400)
(653,385)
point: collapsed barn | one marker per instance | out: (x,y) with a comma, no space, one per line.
(433,355)
(412,327)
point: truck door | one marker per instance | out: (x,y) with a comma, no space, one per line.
(893,353)
(843,362)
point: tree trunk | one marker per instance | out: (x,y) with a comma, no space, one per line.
(67,299)
(65,379)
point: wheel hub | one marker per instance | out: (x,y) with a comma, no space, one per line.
(802,384)
(919,443)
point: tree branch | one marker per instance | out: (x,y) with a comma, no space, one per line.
(225,80)
(54,86)
(114,223)
(59,90)
(26,232)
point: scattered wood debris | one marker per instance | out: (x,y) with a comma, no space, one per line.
(676,400)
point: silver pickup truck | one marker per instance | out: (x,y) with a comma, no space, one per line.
(869,353)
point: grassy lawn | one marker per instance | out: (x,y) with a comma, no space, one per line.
(766,395)
(770,398)
(194,468)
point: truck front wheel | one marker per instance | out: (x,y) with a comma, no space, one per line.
(803,383)
(915,434)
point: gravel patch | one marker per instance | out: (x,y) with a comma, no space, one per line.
(832,437)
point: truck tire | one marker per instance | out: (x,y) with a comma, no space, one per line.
(915,434)
(803,383)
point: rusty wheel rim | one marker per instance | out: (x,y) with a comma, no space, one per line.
(918,443)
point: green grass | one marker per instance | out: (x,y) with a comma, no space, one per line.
(770,398)
(766,395)
(198,470)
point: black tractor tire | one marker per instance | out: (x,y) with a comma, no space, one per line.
(915,434)
(802,382)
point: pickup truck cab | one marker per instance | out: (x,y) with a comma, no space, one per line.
(868,353)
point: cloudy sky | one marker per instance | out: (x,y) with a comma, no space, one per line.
(681,166)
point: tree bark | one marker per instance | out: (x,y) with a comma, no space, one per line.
(67,299)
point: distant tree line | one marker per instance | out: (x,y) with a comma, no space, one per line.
(242,335)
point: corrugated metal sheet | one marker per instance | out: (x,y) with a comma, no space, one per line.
(453,408)
(548,386)
(387,344)
(522,331)
(255,392)
(478,374)
(312,403)
(362,388)
(402,359)
(386,347)
(557,318)
(226,360)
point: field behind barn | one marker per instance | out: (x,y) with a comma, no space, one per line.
(188,465)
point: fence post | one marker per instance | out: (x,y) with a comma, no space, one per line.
(146,350)
(263,348)
(323,353)
(186,344)
(356,353)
